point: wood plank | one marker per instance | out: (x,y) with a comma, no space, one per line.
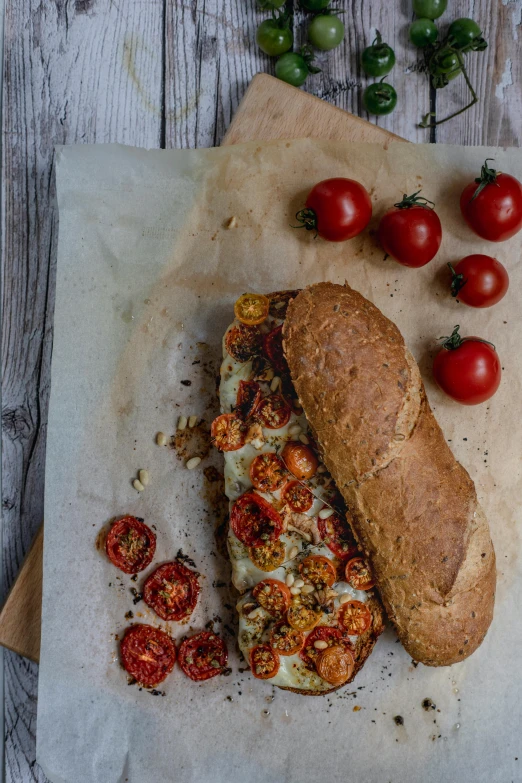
(496,75)
(74,72)
(272,109)
(21,615)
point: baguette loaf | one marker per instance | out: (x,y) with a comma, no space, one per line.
(414,508)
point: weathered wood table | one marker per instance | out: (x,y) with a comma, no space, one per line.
(164,73)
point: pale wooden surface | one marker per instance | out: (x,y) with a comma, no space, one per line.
(160,73)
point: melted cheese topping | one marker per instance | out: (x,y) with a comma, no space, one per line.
(245,575)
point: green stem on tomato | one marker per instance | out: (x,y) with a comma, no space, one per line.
(426,124)
(457,281)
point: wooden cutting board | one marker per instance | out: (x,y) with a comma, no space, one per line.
(269,110)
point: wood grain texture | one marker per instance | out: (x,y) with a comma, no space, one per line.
(75,72)
(162,73)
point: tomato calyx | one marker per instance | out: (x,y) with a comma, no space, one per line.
(487,177)
(308,220)
(457,281)
(414,201)
(455,340)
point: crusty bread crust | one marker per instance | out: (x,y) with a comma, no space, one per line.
(363,647)
(414,507)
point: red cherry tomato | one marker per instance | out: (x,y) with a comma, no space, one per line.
(147,654)
(479,281)
(254,521)
(273,349)
(130,545)
(411,232)
(203,656)
(300,460)
(467,369)
(337,209)
(172,590)
(492,205)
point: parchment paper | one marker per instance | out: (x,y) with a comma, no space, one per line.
(147,276)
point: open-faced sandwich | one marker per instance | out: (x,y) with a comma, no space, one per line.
(339,479)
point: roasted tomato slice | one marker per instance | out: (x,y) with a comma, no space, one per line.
(269,556)
(273,412)
(273,349)
(326,636)
(300,460)
(130,545)
(267,472)
(254,521)
(335,665)
(264,662)
(336,534)
(172,591)
(242,342)
(248,398)
(147,654)
(318,570)
(203,656)
(273,596)
(355,617)
(285,639)
(358,574)
(228,432)
(298,497)
(252,309)
(301,617)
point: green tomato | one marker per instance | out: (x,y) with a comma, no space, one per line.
(326,31)
(292,69)
(446,61)
(380,98)
(430,9)
(423,32)
(378,59)
(274,39)
(464,31)
(314,5)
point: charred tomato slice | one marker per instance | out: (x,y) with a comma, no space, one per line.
(336,534)
(354,617)
(203,656)
(358,574)
(264,662)
(286,640)
(269,556)
(273,596)
(130,545)
(248,398)
(242,342)
(335,665)
(318,570)
(148,654)
(254,521)
(172,591)
(273,349)
(273,412)
(297,496)
(267,472)
(228,432)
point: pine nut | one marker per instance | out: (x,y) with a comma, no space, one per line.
(299,583)
(289,580)
(295,591)
(161,439)
(293,552)
(304,439)
(307,589)
(144,477)
(295,430)
(257,443)
(182,422)
(193,463)
(279,305)
(325,513)
(344,598)
(320,644)
(268,375)
(138,485)
(193,420)
(231,222)
(276,380)
(253,614)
